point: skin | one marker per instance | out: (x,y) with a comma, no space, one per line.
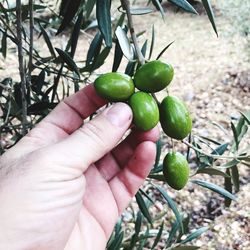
(64,184)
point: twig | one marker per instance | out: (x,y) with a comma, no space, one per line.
(126,7)
(31,19)
(21,65)
(237,157)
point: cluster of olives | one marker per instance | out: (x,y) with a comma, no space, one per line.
(172,113)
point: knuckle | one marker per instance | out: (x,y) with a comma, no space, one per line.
(95,132)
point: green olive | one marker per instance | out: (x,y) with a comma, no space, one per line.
(175,170)
(145,110)
(114,86)
(175,118)
(153,76)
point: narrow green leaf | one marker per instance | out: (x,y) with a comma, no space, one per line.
(228,186)
(138,11)
(75,34)
(99,61)
(68,60)
(186,248)
(175,227)
(158,177)
(210,140)
(4,44)
(172,205)
(220,150)
(235,134)
(152,42)
(89,7)
(116,243)
(212,171)
(158,6)
(163,51)
(104,20)
(48,42)
(144,240)
(40,81)
(230,164)
(69,14)
(124,43)
(235,178)
(185,5)
(94,48)
(117,56)
(138,223)
(143,207)
(158,236)
(144,48)
(146,195)
(209,10)
(158,152)
(246,116)
(214,188)
(130,68)
(185,222)
(194,235)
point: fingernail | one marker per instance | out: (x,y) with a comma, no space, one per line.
(119,114)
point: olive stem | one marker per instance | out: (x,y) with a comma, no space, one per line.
(126,7)
(173,146)
(237,157)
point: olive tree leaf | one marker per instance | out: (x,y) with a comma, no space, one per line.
(194,235)
(209,10)
(65,56)
(214,188)
(175,227)
(116,243)
(185,248)
(185,5)
(89,7)
(117,56)
(235,178)
(47,40)
(125,45)
(172,205)
(158,236)
(228,186)
(135,237)
(159,7)
(158,177)
(212,171)
(143,207)
(94,48)
(235,134)
(246,116)
(104,20)
(4,44)
(75,34)
(68,13)
(163,51)
(152,42)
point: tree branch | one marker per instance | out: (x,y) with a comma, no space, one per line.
(21,66)
(126,7)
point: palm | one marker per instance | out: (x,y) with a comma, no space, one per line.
(109,184)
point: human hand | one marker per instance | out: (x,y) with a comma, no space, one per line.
(64,185)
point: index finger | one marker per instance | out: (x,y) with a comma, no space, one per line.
(71,112)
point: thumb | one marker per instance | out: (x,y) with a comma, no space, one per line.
(93,140)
